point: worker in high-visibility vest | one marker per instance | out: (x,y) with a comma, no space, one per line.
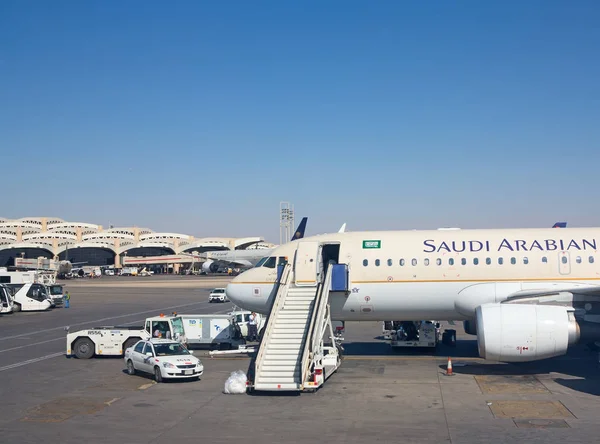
(67,299)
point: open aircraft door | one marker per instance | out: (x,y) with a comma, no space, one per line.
(307,264)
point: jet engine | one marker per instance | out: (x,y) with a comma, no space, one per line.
(210,266)
(520,332)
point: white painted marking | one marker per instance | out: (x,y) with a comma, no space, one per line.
(30,345)
(31,361)
(56,339)
(5,338)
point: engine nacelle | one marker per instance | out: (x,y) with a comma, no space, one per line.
(520,332)
(210,266)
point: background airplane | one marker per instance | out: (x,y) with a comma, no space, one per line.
(243,258)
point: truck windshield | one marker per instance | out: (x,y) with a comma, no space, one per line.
(177,326)
(56,290)
(170,349)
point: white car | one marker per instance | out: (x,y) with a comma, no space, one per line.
(164,358)
(218,295)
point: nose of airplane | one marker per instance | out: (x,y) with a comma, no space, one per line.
(236,293)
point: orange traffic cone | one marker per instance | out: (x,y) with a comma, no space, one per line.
(449,368)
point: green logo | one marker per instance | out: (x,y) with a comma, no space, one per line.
(371,244)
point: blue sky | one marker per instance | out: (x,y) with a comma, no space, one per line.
(200,117)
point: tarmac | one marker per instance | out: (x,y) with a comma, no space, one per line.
(377,395)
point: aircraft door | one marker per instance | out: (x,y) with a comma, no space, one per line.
(307,264)
(564,262)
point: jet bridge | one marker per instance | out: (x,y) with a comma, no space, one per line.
(292,355)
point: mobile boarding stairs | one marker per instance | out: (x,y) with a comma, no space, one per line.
(292,355)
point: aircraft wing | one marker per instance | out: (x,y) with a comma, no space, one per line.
(583,299)
(235,264)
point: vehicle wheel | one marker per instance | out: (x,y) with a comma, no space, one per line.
(129,343)
(84,348)
(157,374)
(130,368)
(16,307)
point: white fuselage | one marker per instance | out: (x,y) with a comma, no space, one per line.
(437,274)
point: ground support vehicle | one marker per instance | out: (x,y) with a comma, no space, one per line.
(415,334)
(188,329)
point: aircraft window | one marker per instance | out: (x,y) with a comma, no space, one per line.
(513,260)
(545,259)
(475,261)
(451,261)
(564,259)
(500,261)
(260,262)
(525,260)
(488,261)
(365,262)
(402,262)
(282,260)
(414,262)
(426,261)
(463,261)
(377,262)
(438,261)
(270,262)
(578,259)
(591,259)
(390,262)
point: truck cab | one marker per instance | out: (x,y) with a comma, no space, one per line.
(242,317)
(164,327)
(56,293)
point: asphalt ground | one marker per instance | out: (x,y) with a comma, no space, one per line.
(377,395)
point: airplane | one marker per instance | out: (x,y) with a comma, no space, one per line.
(242,258)
(560,225)
(527,294)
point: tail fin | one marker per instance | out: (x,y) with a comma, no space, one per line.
(342,229)
(560,225)
(299,234)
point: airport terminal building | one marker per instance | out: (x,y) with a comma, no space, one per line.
(51,238)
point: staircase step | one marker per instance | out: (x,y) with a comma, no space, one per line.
(279,367)
(296,314)
(279,359)
(287,336)
(284,341)
(289,329)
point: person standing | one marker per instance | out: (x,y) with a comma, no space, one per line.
(67,299)
(253,327)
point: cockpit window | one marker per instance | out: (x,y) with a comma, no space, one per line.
(261,262)
(270,262)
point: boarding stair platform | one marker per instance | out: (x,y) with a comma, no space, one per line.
(292,355)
